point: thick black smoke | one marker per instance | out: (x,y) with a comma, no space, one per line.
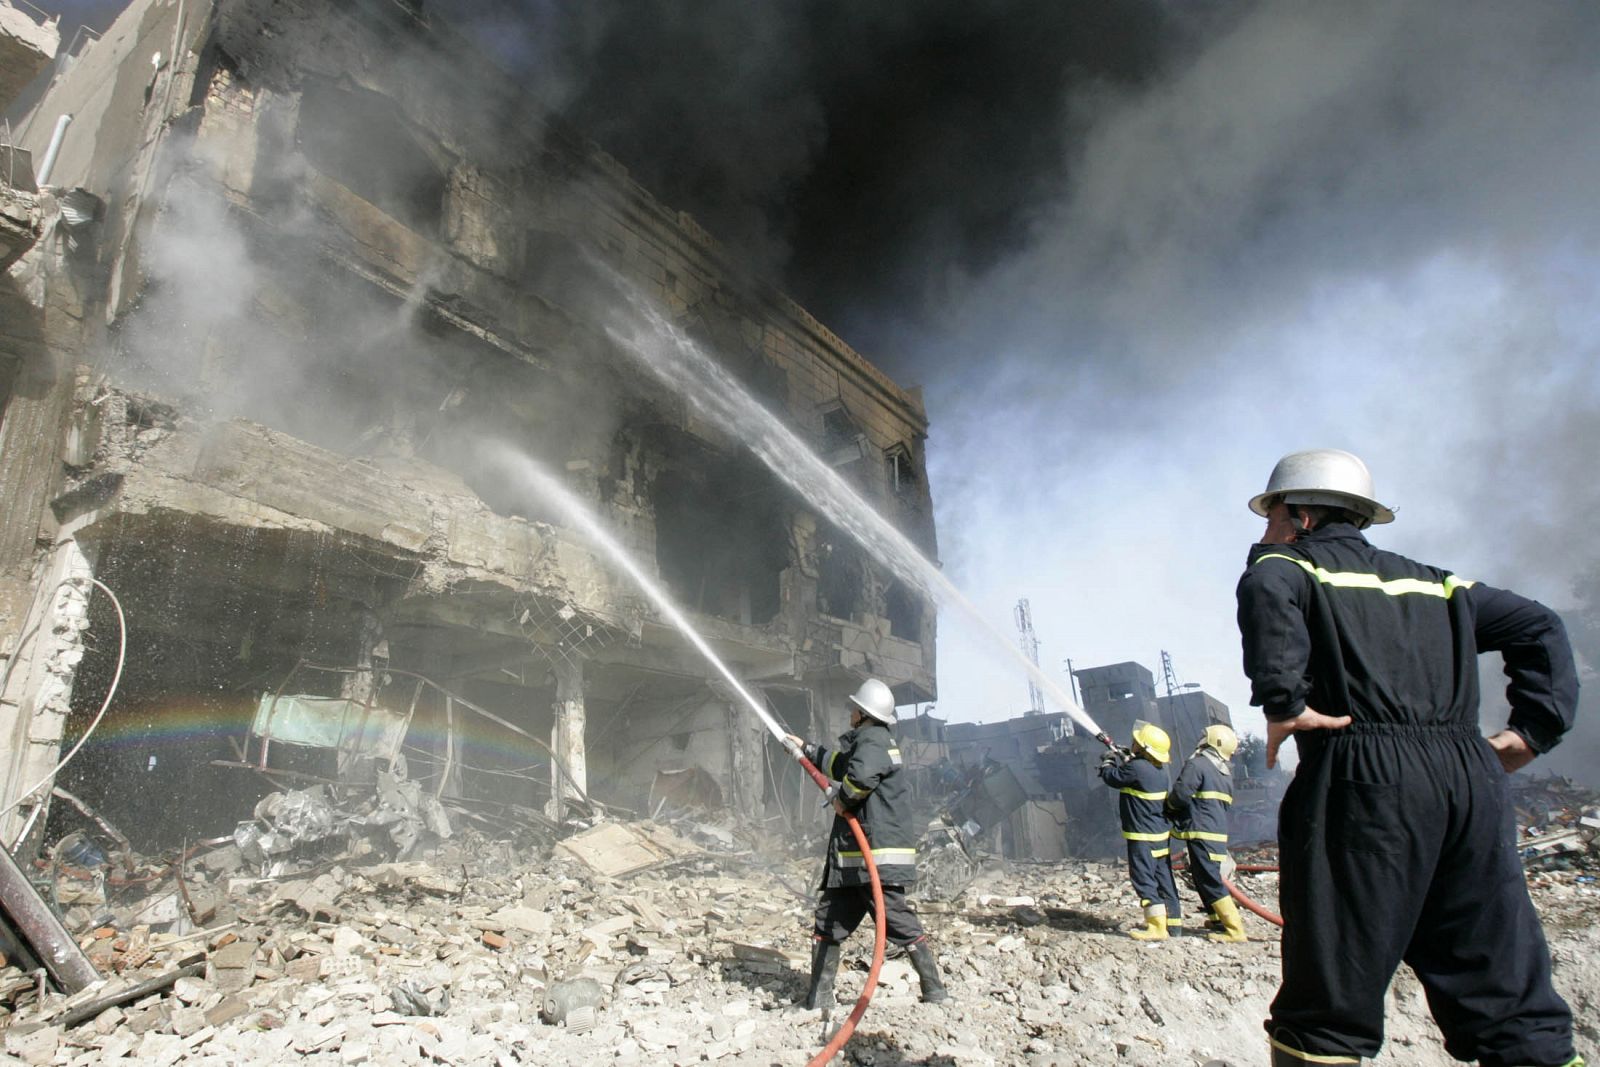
(866,156)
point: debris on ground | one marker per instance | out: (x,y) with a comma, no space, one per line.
(483,951)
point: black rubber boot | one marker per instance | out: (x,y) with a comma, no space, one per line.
(927,965)
(824,966)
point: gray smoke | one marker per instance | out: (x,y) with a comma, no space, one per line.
(1137,252)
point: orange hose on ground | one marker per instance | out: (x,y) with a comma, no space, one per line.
(1234,891)
(880,932)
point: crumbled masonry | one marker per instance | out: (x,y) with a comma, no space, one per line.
(463,955)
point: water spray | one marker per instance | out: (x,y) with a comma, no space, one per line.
(583,518)
(674,357)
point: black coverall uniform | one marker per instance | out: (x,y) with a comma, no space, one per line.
(1143,788)
(1198,807)
(867,766)
(1397,837)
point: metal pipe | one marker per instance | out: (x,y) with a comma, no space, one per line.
(39,927)
(48,164)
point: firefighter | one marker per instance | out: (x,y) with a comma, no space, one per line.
(1397,835)
(1141,779)
(1198,807)
(874,787)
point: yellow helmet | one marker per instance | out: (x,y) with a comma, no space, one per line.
(1223,739)
(1152,739)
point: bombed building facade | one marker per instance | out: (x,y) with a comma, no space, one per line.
(279,271)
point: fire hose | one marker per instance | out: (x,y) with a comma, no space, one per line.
(880,929)
(1271,916)
(1238,894)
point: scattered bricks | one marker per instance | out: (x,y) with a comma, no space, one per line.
(525,919)
(304,969)
(223,940)
(144,1020)
(38,1046)
(602,932)
(192,990)
(495,941)
(346,942)
(236,955)
(186,1021)
(104,932)
(108,1020)
(159,1049)
(228,1009)
(133,959)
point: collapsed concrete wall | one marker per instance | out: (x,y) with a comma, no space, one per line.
(318,273)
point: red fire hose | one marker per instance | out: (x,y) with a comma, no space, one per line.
(1237,894)
(879,923)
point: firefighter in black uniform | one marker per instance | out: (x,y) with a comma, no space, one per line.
(1141,779)
(873,787)
(1198,807)
(1397,835)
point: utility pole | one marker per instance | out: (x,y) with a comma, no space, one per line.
(1170,674)
(1030,648)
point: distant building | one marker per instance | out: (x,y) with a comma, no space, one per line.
(1185,716)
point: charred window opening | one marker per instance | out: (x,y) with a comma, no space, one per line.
(901,470)
(842,578)
(843,443)
(903,609)
(721,539)
(359,139)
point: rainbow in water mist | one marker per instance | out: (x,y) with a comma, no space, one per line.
(685,367)
(157,726)
(542,482)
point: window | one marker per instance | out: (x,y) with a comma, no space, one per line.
(902,471)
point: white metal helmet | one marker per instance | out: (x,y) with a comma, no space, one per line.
(1324,476)
(875,701)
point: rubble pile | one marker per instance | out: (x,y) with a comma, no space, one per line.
(482,951)
(1559,827)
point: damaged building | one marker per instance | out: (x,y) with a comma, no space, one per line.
(279,271)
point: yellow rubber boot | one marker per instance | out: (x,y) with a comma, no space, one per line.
(1155,924)
(1227,913)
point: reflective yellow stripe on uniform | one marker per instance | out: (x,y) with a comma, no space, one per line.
(853,858)
(1310,1057)
(1142,795)
(1217,857)
(1133,835)
(1160,853)
(832,759)
(1199,835)
(1391,587)
(851,790)
(1207,794)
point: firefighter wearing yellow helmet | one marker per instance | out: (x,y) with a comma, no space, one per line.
(1140,779)
(1198,807)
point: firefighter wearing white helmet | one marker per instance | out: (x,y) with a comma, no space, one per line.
(1198,807)
(1140,779)
(1397,838)
(873,787)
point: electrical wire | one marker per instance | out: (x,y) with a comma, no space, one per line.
(116,677)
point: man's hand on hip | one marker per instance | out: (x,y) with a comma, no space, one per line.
(1513,749)
(1279,729)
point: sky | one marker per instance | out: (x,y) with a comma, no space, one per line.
(1134,251)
